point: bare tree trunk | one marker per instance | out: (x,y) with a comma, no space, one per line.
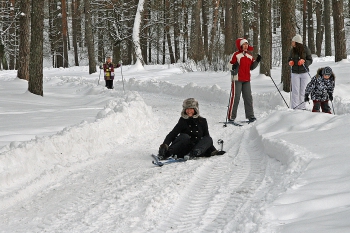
(167,30)
(339,30)
(185,44)
(24,45)
(327,28)
(287,32)
(12,32)
(276,16)
(196,48)
(304,19)
(75,22)
(177,33)
(144,33)
(310,28)
(319,34)
(229,47)
(238,31)
(216,4)
(265,29)
(205,21)
(100,41)
(255,27)
(35,83)
(247,21)
(89,37)
(64,34)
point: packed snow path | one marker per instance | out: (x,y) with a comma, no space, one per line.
(121,191)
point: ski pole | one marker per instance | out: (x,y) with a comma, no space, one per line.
(299,105)
(228,106)
(306,69)
(290,86)
(332,104)
(279,92)
(333,107)
(121,71)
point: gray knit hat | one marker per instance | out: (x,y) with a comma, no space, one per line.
(190,103)
(327,71)
(297,38)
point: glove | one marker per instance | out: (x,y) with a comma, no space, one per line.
(330,96)
(291,63)
(307,99)
(101,67)
(258,59)
(234,66)
(163,148)
(301,62)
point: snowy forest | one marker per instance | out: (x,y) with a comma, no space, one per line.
(198,33)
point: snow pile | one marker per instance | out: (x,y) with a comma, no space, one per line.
(312,147)
(31,164)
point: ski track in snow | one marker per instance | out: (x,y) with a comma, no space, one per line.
(122,191)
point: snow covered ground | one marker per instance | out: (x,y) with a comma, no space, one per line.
(78,159)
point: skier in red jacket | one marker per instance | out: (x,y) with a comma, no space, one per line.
(242,63)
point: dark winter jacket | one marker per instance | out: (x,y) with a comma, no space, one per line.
(196,128)
(319,87)
(108,69)
(243,63)
(295,57)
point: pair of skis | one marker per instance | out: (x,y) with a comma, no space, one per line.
(169,160)
(235,123)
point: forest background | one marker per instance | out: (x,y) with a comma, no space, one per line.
(199,34)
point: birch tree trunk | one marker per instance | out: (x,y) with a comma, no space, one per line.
(136,33)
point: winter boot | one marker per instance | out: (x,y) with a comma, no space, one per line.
(163,151)
(252,119)
(217,152)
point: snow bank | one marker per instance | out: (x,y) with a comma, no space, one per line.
(313,151)
(31,164)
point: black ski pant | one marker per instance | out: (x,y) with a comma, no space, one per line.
(182,145)
(109,84)
(323,105)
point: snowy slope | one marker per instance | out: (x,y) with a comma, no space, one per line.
(78,159)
